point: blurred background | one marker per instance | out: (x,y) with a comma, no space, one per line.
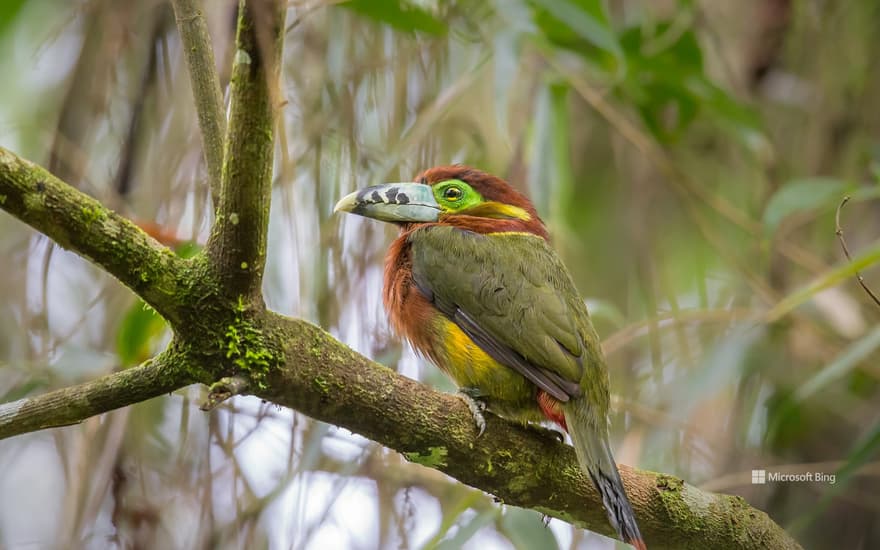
(687,155)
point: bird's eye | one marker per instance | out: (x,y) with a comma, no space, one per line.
(452,194)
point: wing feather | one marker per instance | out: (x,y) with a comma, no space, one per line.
(511,294)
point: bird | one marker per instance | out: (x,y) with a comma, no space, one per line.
(474,284)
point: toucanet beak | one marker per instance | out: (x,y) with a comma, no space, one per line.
(392,202)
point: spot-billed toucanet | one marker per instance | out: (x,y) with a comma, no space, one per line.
(473,283)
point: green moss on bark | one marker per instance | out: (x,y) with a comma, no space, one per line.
(246,346)
(433,457)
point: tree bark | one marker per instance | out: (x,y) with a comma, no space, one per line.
(199,55)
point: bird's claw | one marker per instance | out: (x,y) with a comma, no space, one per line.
(545,431)
(476,406)
(560,437)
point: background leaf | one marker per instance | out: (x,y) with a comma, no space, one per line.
(401,15)
(801,195)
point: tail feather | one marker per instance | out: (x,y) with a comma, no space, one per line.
(594,456)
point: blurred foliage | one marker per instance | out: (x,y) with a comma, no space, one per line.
(688,156)
(403,16)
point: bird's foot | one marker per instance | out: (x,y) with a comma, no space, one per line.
(471,398)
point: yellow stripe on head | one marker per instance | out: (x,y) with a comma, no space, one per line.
(514,234)
(498,210)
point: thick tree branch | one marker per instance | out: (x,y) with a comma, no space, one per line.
(77,221)
(199,54)
(522,466)
(237,246)
(74,404)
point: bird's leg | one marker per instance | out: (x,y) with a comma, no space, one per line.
(471,397)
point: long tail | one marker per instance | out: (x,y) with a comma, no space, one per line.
(594,456)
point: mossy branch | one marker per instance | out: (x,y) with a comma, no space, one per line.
(317,375)
(199,54)
(237,246)
(521,466)
(80,223)
(74,404)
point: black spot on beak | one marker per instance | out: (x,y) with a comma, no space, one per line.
(392,195)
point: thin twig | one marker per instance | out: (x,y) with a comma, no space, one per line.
(199,53)
(839,232)
(74,404)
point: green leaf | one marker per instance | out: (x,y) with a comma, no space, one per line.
(677,59)
(562,179)
(526,530)
(9,10)
(857,352)
(451,515)
(864,452)
(722,367)
(468,530)
(28,387)
(139,329)
(788,417)
(828,279)
(801,195)
(401,15)
(741,120)
(578,25)
(188,249)
(863,194)
(666,82)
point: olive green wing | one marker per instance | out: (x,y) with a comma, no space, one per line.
(512,295)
